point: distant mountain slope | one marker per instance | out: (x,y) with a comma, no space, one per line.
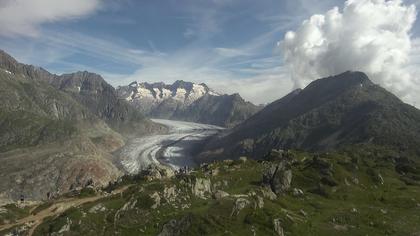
(93,92)
(187,101)
(224,110)
(331,112)
(57,132)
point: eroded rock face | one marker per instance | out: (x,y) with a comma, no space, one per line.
(278,177)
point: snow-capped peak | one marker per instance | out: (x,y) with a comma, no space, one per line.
(181,91)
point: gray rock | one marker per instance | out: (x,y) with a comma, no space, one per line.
(201,188)
(156,198)
(170,194)
(298,192)
(268,193)
(97,208)
(219,194)
(278,177)
(278,229)
(240,204)
(259,202)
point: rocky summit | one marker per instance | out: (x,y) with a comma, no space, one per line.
(329,113)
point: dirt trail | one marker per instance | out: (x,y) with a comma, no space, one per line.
(56,209)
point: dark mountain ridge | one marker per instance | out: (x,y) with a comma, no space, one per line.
(329,113)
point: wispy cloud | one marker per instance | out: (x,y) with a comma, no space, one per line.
(22,17)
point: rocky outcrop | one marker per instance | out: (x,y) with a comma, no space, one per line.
(240,204)
(157,171)
(278,177)
(201,188)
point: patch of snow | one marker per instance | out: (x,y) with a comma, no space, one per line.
(213,93)
(130,96)
(166,93)
(180,94)
(144,93)
(157,93)
(196,92)
(8,72)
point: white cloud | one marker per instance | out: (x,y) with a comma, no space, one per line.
(367,35)
(230,52)
(23,17)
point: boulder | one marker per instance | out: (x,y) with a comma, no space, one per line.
(297,192)
(278,177)
(201,188)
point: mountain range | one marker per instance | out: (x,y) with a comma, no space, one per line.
(337,157)
(187,101)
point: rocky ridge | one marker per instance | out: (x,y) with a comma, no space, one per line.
(188,102)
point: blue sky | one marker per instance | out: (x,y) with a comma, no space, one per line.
(229,44)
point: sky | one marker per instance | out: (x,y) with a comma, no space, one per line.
(261,49)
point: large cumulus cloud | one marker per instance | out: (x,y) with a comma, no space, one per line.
(367,35)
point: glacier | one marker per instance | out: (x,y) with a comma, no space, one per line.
(174,149)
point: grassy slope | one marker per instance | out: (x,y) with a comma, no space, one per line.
(349,208)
